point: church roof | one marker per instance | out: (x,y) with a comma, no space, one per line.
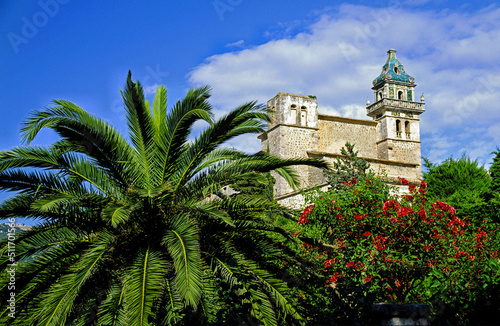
(393,70)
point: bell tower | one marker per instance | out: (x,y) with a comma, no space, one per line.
(397,113)
(291,133)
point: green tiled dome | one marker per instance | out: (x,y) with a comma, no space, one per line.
(393,70)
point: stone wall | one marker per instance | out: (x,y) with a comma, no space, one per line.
(334,132)
(394,170)
(292,109)
(405,152)
(391,169)
(287,141)
(296,199)
(391,143)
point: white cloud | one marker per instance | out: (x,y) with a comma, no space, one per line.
(494,132)
(453,56)
(150,90)
(238,44)
(478,150)
(246,143)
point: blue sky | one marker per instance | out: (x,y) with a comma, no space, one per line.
(250,50)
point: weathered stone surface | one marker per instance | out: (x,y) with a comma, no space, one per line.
(390,142)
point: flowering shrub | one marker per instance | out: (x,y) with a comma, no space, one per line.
(392,247)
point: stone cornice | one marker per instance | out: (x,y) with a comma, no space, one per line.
(307,97)
(392,82)
(399,139)
(298,192)
(286,125)
(348,120)
(389,180)
(368,159)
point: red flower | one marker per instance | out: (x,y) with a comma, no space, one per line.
(340,244)
(360,217)
(380,242)
(303,217)
(422,213)
(464,254)
(403,211)
(423,187)
(428,247)
(329,262)
(367,233)
(391,204)
(335,277)
(443,206)
(368,279)
(403,181)
(350,264)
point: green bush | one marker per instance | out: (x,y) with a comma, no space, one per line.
(370,246)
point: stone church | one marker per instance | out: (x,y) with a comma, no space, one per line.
(389,141)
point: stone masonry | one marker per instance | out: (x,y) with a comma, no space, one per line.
(390,142)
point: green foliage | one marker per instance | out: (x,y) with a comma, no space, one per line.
(371,246)
(136,232)
(254,184)
(346,168)
(458,182)
(495,172)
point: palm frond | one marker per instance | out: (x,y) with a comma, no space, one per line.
(160,109)
(141,129)
(111,311)
(222,130)
(35,157)
(81,132)
(182,243)
(142,284)
(209,208)
(58,302)
(116,213)
(173,303)
(173,139)
(140,230)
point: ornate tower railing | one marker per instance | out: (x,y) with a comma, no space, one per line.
(396,104)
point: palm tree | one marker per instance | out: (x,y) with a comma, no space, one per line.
(138,232)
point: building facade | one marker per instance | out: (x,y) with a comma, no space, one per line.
(390,141)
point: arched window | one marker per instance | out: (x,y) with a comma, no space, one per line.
(303,116)
(398,128)
(407,130)
(293,114)
(400,95)
(379,96)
